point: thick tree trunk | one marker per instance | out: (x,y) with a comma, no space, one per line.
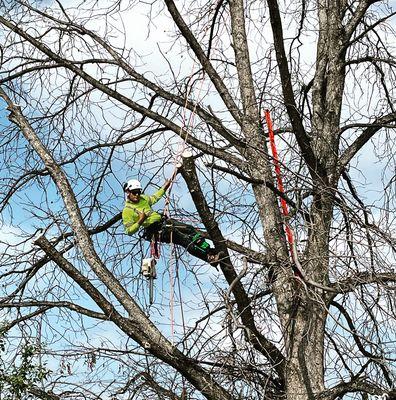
(304,370)
(302,319)
(305,333)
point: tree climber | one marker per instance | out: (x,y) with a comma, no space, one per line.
(138,212)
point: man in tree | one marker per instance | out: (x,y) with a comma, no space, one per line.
(326,70)
(138,212)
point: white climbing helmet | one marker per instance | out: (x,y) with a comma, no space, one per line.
(132,184)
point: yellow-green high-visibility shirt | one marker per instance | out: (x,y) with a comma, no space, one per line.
(130,212)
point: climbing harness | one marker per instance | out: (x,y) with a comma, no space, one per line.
(285,210)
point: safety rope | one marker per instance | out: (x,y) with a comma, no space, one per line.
(285,209)
(177,159)
(172,288)
(183,145)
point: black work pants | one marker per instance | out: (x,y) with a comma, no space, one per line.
(171,231)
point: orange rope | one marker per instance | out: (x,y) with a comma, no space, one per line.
(285,209)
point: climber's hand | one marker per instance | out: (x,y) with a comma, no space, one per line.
(142,217)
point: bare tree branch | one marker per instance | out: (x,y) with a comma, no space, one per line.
(46,305)
(362,139)
(121,98)
(206,64)
(301,136)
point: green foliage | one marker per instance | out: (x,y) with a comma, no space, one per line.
(16,379)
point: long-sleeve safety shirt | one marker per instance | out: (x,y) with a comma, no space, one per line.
(130,212)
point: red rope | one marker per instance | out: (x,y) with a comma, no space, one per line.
(155,248)
(285,208)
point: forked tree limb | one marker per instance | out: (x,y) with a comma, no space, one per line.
(267,348)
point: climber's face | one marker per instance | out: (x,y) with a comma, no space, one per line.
(134,195)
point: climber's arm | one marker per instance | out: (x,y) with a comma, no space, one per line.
(132,220)
(157,195)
